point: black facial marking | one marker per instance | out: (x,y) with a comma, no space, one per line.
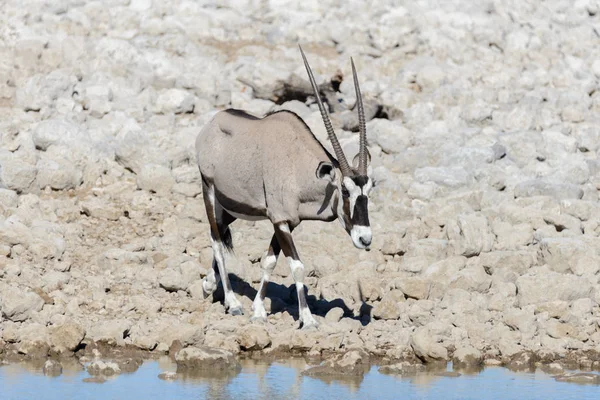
(360,180)
(345,192)
(346,207)
(361,213)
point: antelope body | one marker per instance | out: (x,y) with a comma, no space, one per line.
(274,168)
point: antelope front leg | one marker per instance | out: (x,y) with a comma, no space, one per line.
(268,262)
(284,236)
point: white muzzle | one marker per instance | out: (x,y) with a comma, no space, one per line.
(361,236)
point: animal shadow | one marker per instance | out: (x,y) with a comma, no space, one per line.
(284,299)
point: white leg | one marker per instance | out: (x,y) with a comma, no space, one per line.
(232,304)
(268,263)
(210,282)
(307,319)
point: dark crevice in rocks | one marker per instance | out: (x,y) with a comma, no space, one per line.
(120,160)
(298,88)
(350,117)
(495,46)
(399,254)
(381,113)
(80,347)
(291,92)
(390,112)
(336,81)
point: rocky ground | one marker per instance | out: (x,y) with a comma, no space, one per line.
(484,136)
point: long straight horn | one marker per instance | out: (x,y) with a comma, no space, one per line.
(339,153)
(362,127)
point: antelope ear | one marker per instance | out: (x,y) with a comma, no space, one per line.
(326,171)
(355,159)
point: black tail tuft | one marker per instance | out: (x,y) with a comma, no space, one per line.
(227,240)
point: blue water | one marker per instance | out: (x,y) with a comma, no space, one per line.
(283,381)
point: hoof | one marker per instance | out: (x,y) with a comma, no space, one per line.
(309,325)
(258,320)
(236,311)
(206,293)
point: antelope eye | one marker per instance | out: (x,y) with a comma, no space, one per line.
(345,192)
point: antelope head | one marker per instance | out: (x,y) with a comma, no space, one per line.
(353,184)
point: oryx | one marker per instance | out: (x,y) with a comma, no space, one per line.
(274,168)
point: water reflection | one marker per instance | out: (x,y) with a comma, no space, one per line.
(284,380)
(269,383)
(70,367)
(351,382)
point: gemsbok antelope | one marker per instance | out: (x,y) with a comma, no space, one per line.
(275,168)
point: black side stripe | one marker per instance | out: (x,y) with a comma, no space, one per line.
(240,113)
